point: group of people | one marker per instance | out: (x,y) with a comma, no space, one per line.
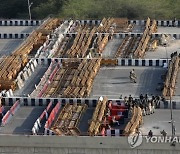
(163,133)
(145,102)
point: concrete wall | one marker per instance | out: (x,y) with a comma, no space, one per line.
(78,145)
(123,35)
(136,22)
(20,22)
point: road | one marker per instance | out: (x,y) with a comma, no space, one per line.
(33,79)
(7,46)
(23,121)
(161,120)
(17,29)
(111,48)
(168,30)
(84,122)
(164,52)
(114,81)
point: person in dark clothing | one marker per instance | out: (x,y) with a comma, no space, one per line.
(130,99)
(157,101)
(141,97)
(146,97)
(150,134)
(163,133)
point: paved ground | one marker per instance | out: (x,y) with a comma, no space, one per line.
(165,30)
(111,48)
(23,121)
(30,83)
(17,29)
(7,46)
(114,81)
(161,120)
(168,30)
(138,29)
(164,52)
(85,120)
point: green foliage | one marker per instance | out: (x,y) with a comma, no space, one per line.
(91,9)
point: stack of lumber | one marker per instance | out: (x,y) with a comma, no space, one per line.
(143,44)
(135,121)
(74,79)
(11,65)
(68,120)
(171,77)
(98,117)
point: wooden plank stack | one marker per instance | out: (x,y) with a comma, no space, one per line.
(68,120)
(104,27)
(171,77)
(81,43)
(98,117)
(11,65)
(135,121)
(74,79)
(143,44)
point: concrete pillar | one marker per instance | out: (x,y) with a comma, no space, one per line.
(82,22)
(3,23)
(142,23)
(170,22)
(7,94)
(160,62)
(29,101)
(20,83)
(25,75)
(119,61)
(11,92)
(176,23)
(32,67)
(153,62)
(133,62)
(24,22)
(44,102)
(8,23)
(146,62)
(178,36)
(29,71)
(36,102)
(6,101)
(140,62)
(123,35)
(126,62)
(137,22)
(117,36)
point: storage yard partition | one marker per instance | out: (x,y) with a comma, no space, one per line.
(90,102)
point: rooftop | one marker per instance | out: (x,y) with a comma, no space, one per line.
(40,80)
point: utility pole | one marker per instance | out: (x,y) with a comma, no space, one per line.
(172,120)
(29,9)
